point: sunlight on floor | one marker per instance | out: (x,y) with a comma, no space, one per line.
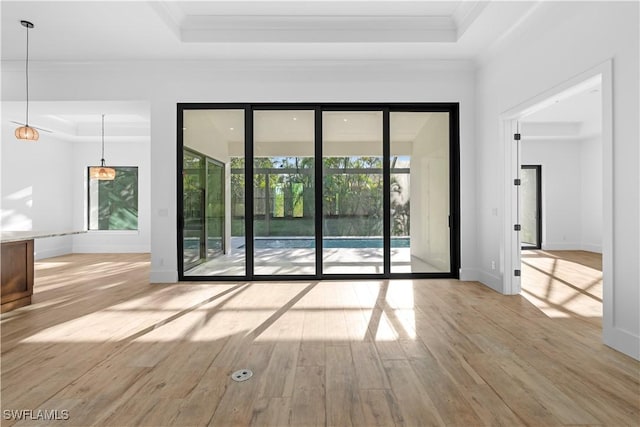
(563,283)
(307,311)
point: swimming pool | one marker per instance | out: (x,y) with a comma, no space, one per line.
(306,242)
(329,243)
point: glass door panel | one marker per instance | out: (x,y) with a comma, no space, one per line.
(352,194)
(213,193)
(193,209)
(420,194)
(284,192)
(530,235)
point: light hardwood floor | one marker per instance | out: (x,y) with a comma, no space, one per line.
(111,349)
(564,283)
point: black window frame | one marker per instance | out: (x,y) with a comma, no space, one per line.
(137,168)
(538,244)
(453,108)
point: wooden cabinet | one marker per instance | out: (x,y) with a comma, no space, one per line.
(17,274)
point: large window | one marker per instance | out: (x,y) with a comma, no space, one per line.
(327,191)
(113,205)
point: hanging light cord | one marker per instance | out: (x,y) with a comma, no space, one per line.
(102,160)
(27,76)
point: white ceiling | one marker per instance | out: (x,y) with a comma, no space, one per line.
(571,115)
(235,30)
(328,29)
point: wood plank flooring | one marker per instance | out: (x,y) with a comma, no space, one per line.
(564,283)
(103,344)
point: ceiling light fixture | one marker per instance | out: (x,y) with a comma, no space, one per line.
(26,132)
(102,172)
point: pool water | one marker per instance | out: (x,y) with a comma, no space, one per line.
(329,243)
(308,243)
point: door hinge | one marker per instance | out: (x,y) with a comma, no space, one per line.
(449,221)
(516,273)
(516,136)
(517,181)
(517,227)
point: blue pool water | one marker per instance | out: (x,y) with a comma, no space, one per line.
(298,243)
(330,243)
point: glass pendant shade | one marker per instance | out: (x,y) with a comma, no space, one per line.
(27,133)
(102,173)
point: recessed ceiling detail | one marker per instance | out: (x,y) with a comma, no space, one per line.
(319,21)
(328,30)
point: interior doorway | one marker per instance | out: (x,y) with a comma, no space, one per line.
(561,199)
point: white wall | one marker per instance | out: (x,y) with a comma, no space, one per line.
(561,191)
(430,193)
(558,41)
(591,194)
(117,153)
(164,84)
(36,181)
(44,189)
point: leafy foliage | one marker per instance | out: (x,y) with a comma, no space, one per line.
(118,201)
(284,197)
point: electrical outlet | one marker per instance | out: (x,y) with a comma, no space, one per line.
(493,265)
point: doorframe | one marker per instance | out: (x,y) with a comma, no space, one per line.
(508,125)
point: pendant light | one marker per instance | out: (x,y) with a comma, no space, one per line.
(102,172)
(26,132)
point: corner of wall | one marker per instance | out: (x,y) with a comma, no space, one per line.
(468,275)
(491,280)
(163,276)
(622,341)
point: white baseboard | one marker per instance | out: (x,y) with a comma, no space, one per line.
(570,246)
(491,280)
(52,252)
(592,247)
(562,246)
(163,276)
(468,275)
(622,341)
(111,249)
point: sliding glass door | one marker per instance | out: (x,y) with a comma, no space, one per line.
(318,191)
(420,192)
(352,193)
(213,227)
(194,246)
(215,208)
(284,192)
